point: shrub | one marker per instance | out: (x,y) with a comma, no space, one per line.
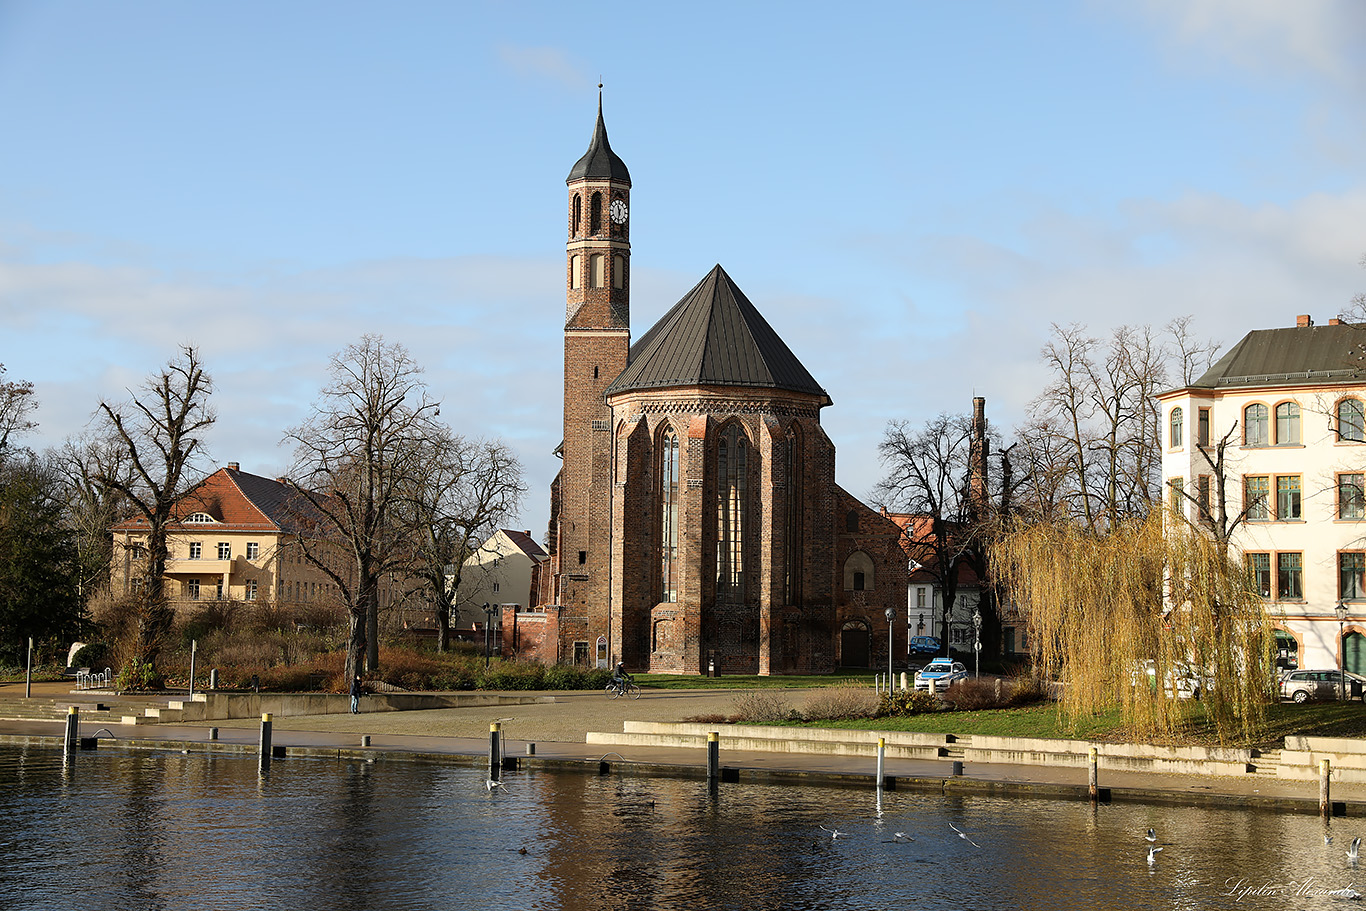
(94,656)
(512,675)
(907,702)
(760,707)
(972,695)
(841,700)
(138,675)
(1026,689)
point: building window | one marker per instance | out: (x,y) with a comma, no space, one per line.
(1352,575)
(1174,435)
(1351,499)
(225,550)
(1176,497)
(495,587)
(1256,497)
(1351,421)
(1202,496)
(196,550)
(858,581)
(1288,498)
(793,524)
(192,589)
(1287,424)
(199,518)
(578,215)
(1259,569)
(732,460)
(253,550)
(668,518)
(1202,427)
(218,590)
(1290,577)
(595,214)
(1255,431)
(920,598)
(858,573)
(250,591)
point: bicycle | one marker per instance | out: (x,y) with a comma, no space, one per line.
(628,688)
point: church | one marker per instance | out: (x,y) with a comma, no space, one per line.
(695,524)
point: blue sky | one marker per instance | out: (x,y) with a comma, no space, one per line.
(911,193)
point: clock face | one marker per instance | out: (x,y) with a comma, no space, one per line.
(619,211)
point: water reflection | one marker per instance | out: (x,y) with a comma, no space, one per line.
(173,831)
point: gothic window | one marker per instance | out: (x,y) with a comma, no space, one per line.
(732,460)
(668,512)
(578,213)
(576,272)
(597,268)
(792,584)
(858,572)
(1351,421)
(619,272)
(1287,423)
(595,214)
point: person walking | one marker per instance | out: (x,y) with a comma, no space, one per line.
(357,688)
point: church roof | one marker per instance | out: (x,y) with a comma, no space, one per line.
(1303,355)
(599,162)
(714,337)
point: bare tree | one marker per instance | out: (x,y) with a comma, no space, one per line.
(355,460)
(159,433)
(16,404)
(463,491)
(92,506)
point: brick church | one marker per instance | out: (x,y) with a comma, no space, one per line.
(695,523)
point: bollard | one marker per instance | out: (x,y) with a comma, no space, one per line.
(73,715)
(213,679)
(933,688)
(1325,804)
(365,740)
(998,690)
(265,743)
(713,757)
(904,687)
(1092,779)
(213,733)
(881,757)
(531,749)
(495,751)
(957,768)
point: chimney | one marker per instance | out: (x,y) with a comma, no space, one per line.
(979,455)
(233,466)
(1303,321)
(1335,322)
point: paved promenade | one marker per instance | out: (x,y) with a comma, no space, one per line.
(558,732)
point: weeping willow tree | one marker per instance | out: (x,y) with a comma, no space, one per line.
(1131,617)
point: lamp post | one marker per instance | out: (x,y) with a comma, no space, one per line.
(488,621)
(891,638)
(977,640)
(1341,611)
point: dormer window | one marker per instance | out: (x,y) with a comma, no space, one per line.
(200,518)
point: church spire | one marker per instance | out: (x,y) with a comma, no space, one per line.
(600,162)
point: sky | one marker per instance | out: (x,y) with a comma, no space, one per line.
(912,193)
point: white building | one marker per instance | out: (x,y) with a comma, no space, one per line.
(1290,403)
(502,571)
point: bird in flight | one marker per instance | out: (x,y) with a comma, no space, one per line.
(963,835)
(1151,836)
(491,784)
(1354,851)
(834,833)
(1152,854)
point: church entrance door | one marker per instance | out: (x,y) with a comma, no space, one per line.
(855,646)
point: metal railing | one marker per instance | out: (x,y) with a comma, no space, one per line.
(85,680)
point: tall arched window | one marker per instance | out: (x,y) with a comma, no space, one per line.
(597,271)
(1287,423)
(576,272)
(618,271)
(732,459)
(1254,426)
(668,518)
(578,214)
(792,577)
(1178,419)
(1351,421)
(595,214)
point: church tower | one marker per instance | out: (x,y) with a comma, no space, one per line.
(597,340)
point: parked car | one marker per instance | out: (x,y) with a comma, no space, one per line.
(942,671)
(1304,685)
(1183,680)
(926,645)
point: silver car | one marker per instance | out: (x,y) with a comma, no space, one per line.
(1304,685)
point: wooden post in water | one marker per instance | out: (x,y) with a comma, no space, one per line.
(713,757)
(881,756)
(73,715)
(1325,803)
(265,743)
(495,751)
(1092,777)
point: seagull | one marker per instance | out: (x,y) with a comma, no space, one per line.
(1327,839)
(1354,850)
(491,784)
(1152,854)
(834,833)
(1151,836)
(963,835)
(902,836)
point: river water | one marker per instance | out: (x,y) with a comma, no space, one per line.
(134,830)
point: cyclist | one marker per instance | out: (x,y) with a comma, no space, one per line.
(620,679)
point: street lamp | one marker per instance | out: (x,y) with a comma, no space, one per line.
(1341,611)
(891,615)
(977,640)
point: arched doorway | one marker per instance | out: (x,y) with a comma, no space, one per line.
(1354,653)
(855,645)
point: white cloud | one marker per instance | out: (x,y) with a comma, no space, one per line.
(544,62)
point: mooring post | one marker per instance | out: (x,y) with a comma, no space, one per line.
(1325,803)
(713,757)
(365,740)
(265,743)
(495,751)
(28,671)
(881,757)
(1092,776)
(73,715)
(194,647)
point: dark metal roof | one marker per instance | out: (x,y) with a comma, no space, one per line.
(714,337)
(1299,355)
(599,162)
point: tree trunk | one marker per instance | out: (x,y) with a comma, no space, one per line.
(355,647)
